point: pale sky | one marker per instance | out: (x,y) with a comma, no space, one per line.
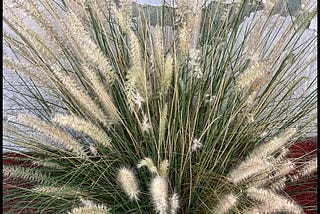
(152,2)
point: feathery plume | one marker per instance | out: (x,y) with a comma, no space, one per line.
(56,191)
(85,126)
(248,168)
(259,81)
(279,171)
(174,203)
(126,12)
(225,204)
(31,38)
(85,202)
(25,173)
(136,77)
(136,68)
(158,50)
(135,51)
(247,78)
(163,169)
(163,122)
(102,93)
(184,10)
(148,163)
(88,48)
(308,168)
(269,5)
(24,69)
(24,140)
(81,96)
(283,169)
(251,97)
(282,155)
(279,184)
(273,145)
(184,39)
(128,182)
(273,201)
(194,62)
(130,89)
(44,163)
(190,17)
(90,209)
(167,76)
(121,19)
(55,133)
(45,24)
(159,194)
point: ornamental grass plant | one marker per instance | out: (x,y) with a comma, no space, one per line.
(189,107)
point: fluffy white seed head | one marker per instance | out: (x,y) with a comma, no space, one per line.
(282,155)
(247,78)
(225,204)
(44,163)
(184,39)
(251,98)
(86,202)
(85,126)
(138,100)
(103,94)
(56,191)
(194,62)
(128,182)
(163,169)
(275,176)
(275,144)
(189,14)
(90,209)
(148,163)
(174,203)
(309,168)
(284,168)
(66,141)
(163,123)
(126,12)
(167,76)
(279,184)
(248,168)
(25,173)
(146,125)
(273,201)
(196,145)
(24,69)
(159,194)
(137,69)
(87,104)
(88,49)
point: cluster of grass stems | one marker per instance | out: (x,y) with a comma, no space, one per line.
(193,113)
